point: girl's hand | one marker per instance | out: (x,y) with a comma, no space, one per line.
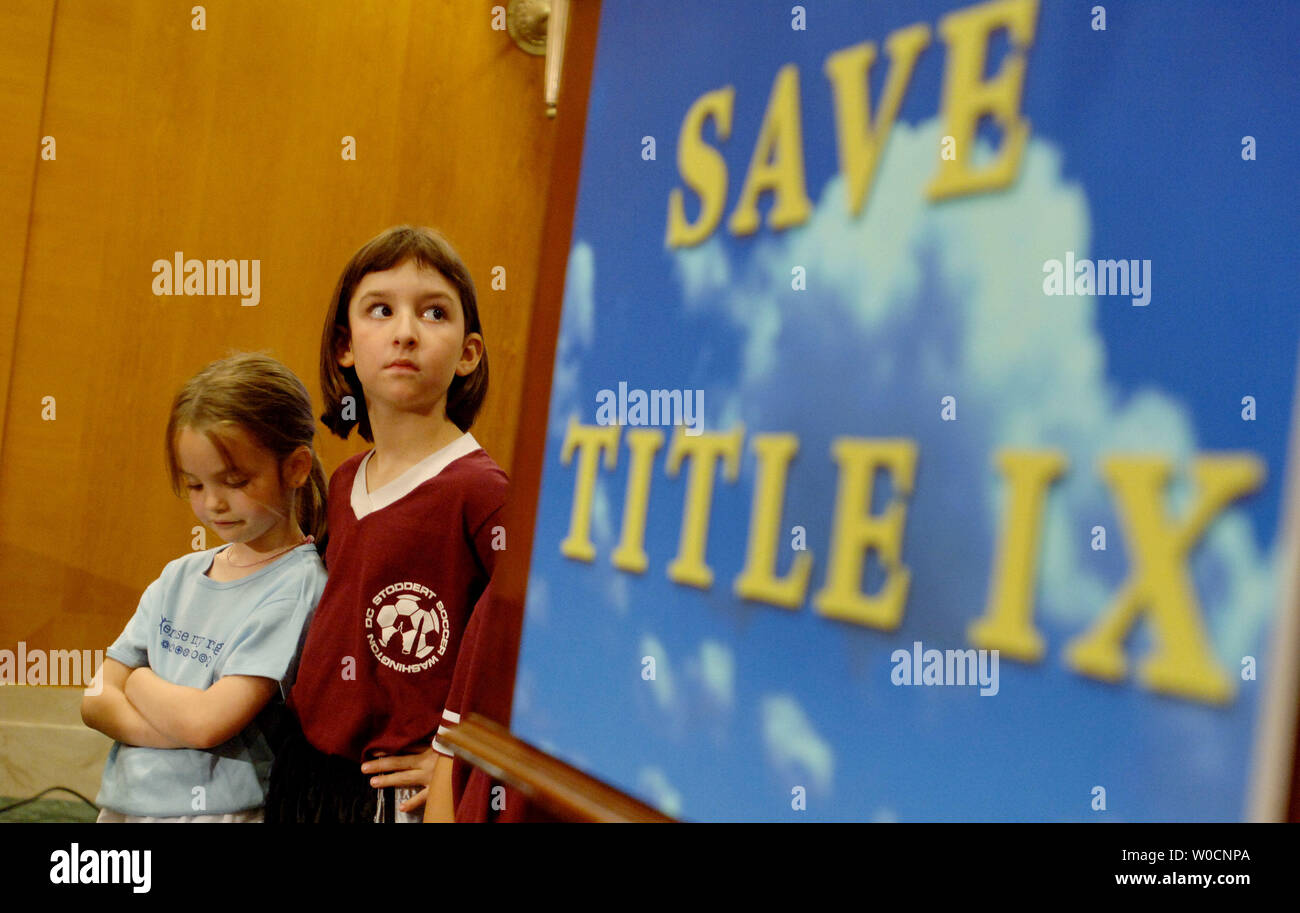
(406,770)
(138,675)
(139,679)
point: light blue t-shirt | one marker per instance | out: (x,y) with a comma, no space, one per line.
(191,630)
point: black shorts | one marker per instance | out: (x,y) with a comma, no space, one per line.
(311,787)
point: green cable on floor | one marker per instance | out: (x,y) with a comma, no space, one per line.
(33,809)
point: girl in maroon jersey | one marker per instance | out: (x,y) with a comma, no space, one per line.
(411,549)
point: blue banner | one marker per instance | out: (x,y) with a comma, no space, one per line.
(919,431)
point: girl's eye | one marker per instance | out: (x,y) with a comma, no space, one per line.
(437,312)
(236,483)
(371,310)
(194,487)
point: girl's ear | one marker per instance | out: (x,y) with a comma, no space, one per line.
(343,347)
(297,467)
(471,354)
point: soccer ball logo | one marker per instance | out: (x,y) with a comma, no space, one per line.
(413,623)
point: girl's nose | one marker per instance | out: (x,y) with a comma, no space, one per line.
(404,328)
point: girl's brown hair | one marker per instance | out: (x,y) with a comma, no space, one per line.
(266,399)
(386,250)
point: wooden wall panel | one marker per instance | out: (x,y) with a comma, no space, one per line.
(24,49)
(225,143)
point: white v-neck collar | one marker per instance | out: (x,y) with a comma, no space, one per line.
(366,502)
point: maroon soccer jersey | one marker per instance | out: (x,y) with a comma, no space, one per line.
(379,654)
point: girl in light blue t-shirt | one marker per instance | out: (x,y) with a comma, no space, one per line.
(191,689)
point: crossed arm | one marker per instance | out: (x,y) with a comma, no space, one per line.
(136,707)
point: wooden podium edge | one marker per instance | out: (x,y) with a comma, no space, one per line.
(555,786)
